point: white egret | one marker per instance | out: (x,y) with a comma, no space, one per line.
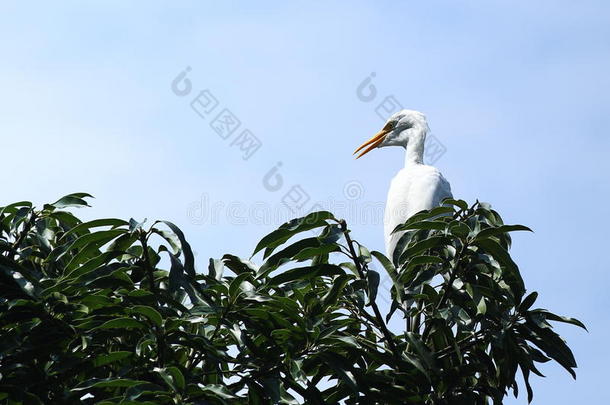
(417,186)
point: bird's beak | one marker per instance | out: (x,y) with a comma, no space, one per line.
(374,141)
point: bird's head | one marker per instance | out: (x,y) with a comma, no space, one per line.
(401,127)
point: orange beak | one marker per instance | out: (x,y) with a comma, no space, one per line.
(374,141)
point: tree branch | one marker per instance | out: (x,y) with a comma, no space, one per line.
(24,232)
(359,267)
(161,345)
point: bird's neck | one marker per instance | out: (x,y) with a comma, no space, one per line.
(415,149)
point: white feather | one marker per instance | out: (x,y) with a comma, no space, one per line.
(415,188)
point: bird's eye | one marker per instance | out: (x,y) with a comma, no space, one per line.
(402,124)
(389,125)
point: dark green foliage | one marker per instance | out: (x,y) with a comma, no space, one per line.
(113,312)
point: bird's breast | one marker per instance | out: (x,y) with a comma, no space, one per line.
(413,189)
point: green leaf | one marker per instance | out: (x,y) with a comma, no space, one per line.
(111,357)
(430,214)
(135,225)
(93,264)
(530,393)
(96,223)
(372,278)
(459,229)
(172,376)
(216,269)
(291,228)
(419,348)
(176,274)
(330,234)
(528,302)
(100,237)
(11,208)
(340,366)
(287,254)
(550,316)
(458,203)
(72,200)
(218,390)
(171,238)
(238,265)
(107,383)
(386,263)
(136,391)
(364,255)
(122,323)
(420,261)
(425,225)
(314,252)
(189,258)
(511,271)
(422,246)
(500,230)
(481,306)
(339,283)
(305,273)
(149,312)
(552,345)
(236,285)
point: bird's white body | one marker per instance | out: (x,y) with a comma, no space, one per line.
(417,186)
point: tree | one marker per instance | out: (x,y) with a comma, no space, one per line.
(111,311)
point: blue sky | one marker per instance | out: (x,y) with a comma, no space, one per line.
(516,93)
